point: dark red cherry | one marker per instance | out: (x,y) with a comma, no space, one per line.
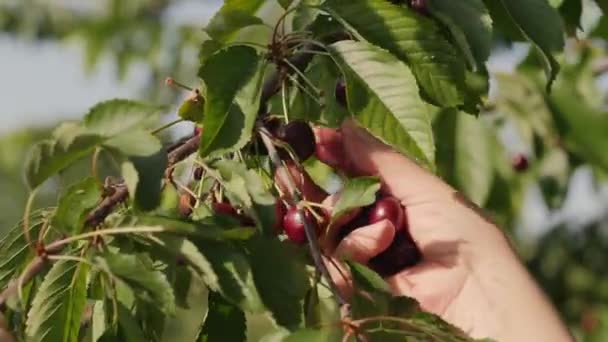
(388,208)
(280,211)
(520,163)
(198,173)
(341,92)
(300,137)
(401,254)
(419,6)
(224,209)
(293,224)
(198,130)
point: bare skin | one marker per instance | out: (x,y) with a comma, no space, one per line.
(470,275)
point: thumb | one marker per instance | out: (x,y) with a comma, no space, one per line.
(401,177)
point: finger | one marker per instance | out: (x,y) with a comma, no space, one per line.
(329,147)
(400,176)
(310,191)
(366,242)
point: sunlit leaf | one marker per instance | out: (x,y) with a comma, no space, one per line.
(75,204)
(464,154)
(414,39)
(383,97)
(270,260)
(470,25)
(58,304)
(231,99)
(146,282)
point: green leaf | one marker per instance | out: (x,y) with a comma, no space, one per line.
(183,248)
(371,295)
(285,3)
(357,192)
(571,11)
(541,25)
(234,275)
(189,316)
(137,143)
(98,325)
(14,250)
(323,73)
(470,24)
(74,205)
(413,39)
(113,117)
(383,96)
(59,303)
(232,17)
(129,329)
(143,177)
(281,279)
(323,335)
(207,229)
(50,157)
(582,127)
(464,154)
(245,188)
(147,283)
(225,322)
(232,99)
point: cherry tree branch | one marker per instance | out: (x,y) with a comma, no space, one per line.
(175,154)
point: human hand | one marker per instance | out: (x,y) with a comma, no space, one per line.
(469,274)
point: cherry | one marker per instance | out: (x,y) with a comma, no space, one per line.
(280,211)
(340,92)
(419,6)
(520,163)
(224,209)
(198,130)
(388,208)
(293,223)
(198,173)
(300,137)
(402,253)
(272,124)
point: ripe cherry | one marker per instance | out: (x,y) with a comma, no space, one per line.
(419,6)
(198,130)
(300,137)
(198,173)
(401,254)
(280,211)
(340,92)
(224,209)
(293,223)
(387,208)
(520,163)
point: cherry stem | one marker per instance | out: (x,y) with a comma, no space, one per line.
(305,89)
(296,196)
(164,127)
(284,101)
(26,218)
(172,82)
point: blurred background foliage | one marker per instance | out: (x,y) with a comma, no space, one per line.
(556,211)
